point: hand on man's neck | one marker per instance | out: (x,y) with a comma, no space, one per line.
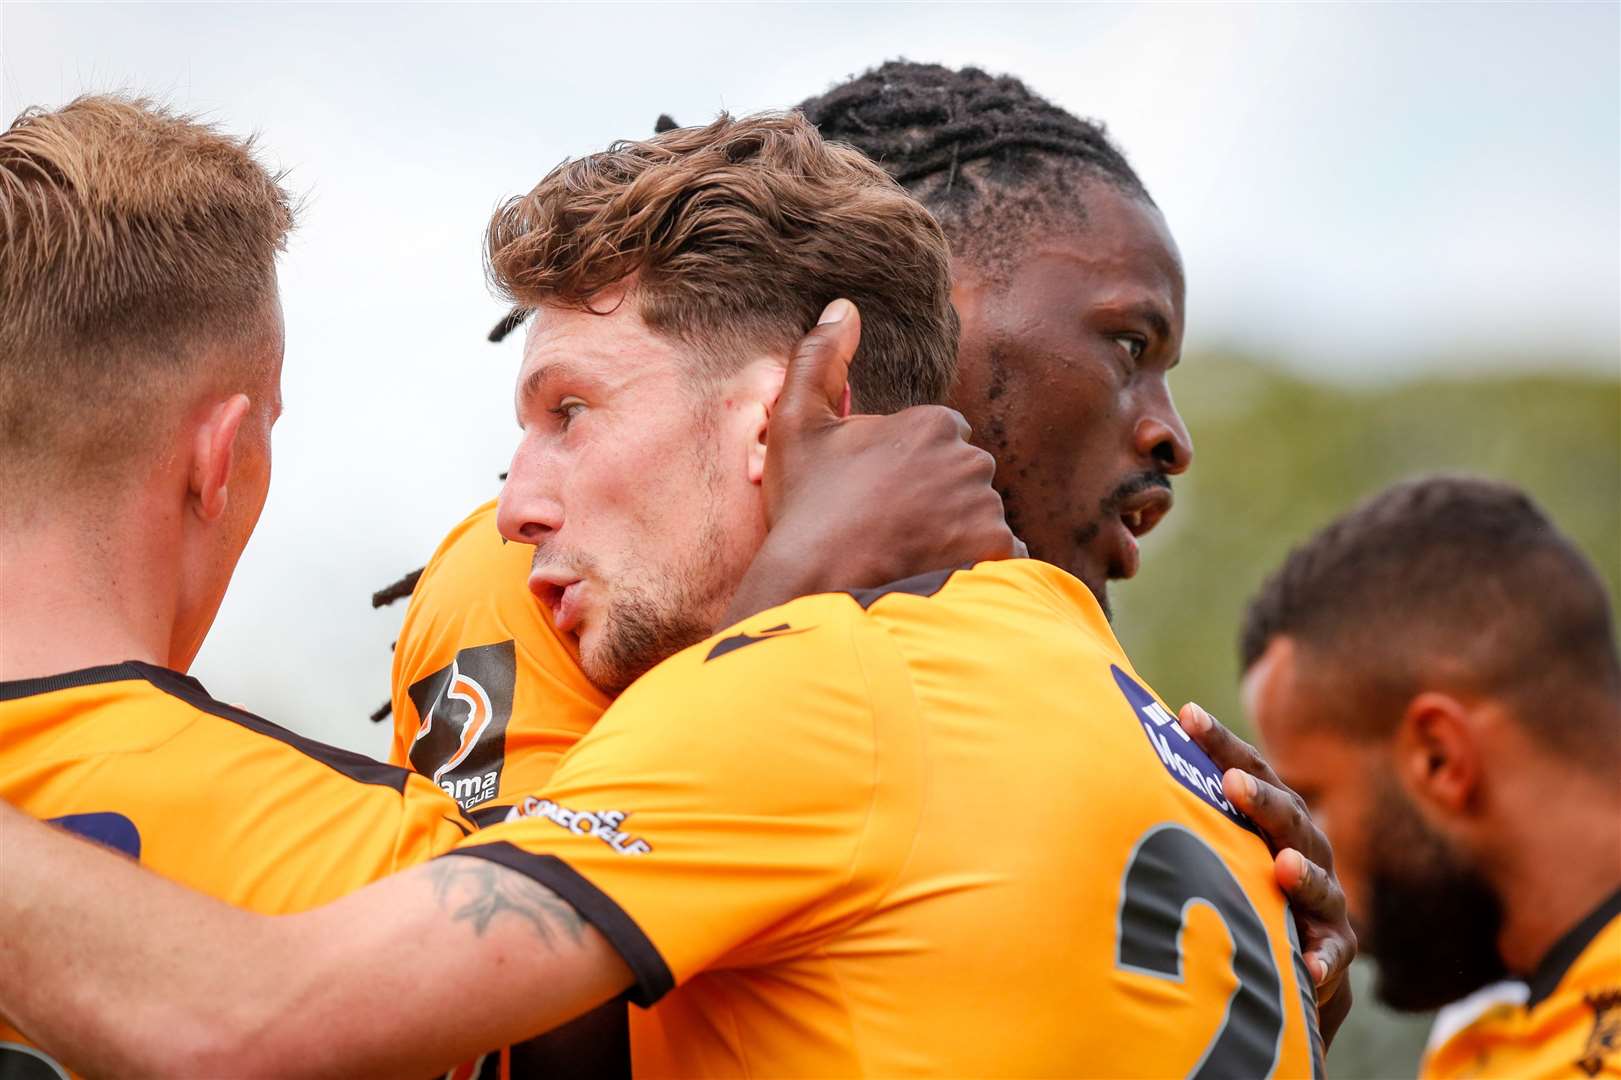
(96,587)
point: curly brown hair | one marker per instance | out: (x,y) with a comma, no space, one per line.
(736,236)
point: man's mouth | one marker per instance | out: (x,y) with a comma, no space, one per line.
(1134,516)
(1141,512)
(560,595)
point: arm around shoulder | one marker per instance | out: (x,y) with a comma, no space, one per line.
(118,972)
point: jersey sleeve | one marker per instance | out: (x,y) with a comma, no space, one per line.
(430,823)
(727,811)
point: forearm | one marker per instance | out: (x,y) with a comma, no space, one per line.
(117,972)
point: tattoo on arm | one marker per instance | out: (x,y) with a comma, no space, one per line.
(476,891)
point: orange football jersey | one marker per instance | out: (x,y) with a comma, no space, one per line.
(1569,1027)
(487,695)
(143,760)
(938,828)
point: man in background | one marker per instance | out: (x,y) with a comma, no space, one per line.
(1071,294)
(1435,673)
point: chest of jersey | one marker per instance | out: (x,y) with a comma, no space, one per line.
(1575,1032)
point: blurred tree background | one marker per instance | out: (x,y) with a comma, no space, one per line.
(1276,457)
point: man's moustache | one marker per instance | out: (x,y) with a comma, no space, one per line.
(1134,485)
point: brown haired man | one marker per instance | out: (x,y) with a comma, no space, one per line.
(837,839)
(1436,674)
(140,358)
(1070,290)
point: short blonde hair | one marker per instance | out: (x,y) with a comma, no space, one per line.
(737,234)
(130,239)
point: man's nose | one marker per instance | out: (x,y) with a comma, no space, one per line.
(526,511)
(1162,437)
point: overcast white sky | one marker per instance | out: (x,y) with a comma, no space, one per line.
(1358,190)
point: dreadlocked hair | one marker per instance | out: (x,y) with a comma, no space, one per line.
(988,156)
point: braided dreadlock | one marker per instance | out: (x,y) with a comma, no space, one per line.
(988,156)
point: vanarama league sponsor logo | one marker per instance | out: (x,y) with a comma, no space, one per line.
(1180,755)
(469,791)
(602,824)
(463,709)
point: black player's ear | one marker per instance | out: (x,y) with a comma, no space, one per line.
(1436,752)
(213,449)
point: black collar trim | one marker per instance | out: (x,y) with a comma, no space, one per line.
(1545,980)
(187,689)
(67,680)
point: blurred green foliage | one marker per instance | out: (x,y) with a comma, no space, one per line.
(1278,456)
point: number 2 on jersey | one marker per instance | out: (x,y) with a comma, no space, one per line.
(1171,869)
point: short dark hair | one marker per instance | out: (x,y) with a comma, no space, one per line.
(987,155)
(1457,579)
(737,234)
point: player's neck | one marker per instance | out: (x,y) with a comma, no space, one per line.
(1563,859)
(71,600)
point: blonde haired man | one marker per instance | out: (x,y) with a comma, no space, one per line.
(140,365)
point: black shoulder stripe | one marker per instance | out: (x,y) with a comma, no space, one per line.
(355,766)
(653,978)
(485,816)
(921,585)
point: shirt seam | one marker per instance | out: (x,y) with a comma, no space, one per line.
(882,893)
(194,717)
(195,696)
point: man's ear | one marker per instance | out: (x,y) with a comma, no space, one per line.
(765,387)
(213,448)
(1437,756)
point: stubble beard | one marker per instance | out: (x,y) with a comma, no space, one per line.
(649,622)
(646,626)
